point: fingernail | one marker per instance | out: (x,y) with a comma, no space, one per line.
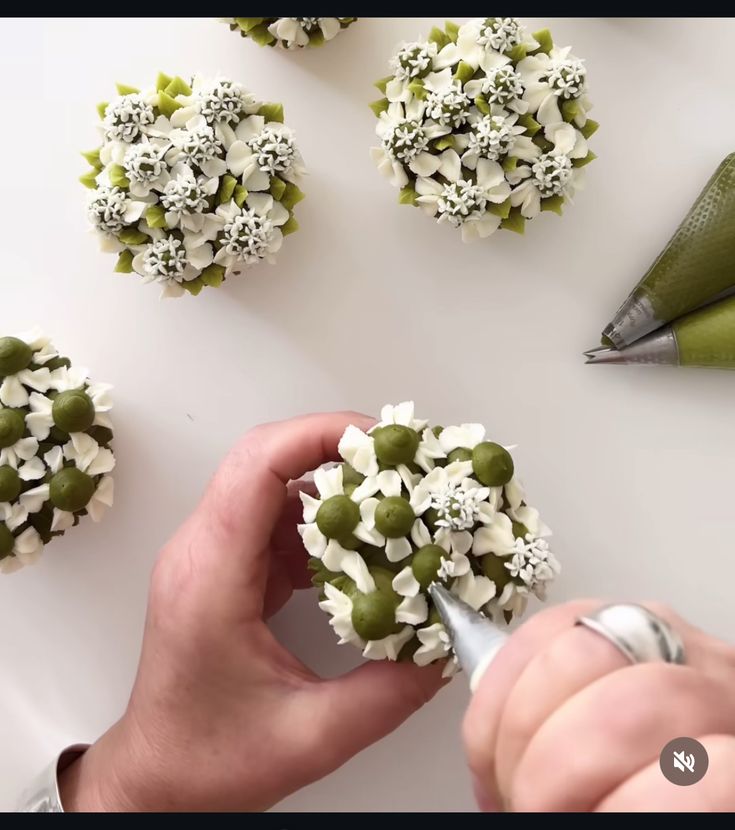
(485,801)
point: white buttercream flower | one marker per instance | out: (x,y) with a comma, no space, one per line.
(13,391)
(127,117)
(223,100)
(434,644)
(446,103)
(146,168)
(533,563)
(110,209)
(200,146)
(558,76)
(185,198)
(171,262)
(339,606)
(493,137)
(463,203)
(296,32)
(550,175)
(250,233)
(413,60)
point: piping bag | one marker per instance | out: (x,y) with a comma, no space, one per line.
(475,639)
(697,264)
(704,338)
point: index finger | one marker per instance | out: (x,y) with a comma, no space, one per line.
(246,495)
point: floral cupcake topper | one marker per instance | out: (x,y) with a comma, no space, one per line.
(55,458)
(192,182)
(484,125)
(412,505)
(289,32)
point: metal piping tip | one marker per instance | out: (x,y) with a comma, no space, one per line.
(475,639)
(657,348)
(589,352)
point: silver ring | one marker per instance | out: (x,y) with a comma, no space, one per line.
(637,633)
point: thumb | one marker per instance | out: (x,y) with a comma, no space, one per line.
(361,707)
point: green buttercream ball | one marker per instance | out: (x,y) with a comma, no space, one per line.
(73,411)
(394,517)
(10,484)
(460,454)
(7,541)
(71,489)
(426,563)
(374,614)
(12,427)
(430,518)
(494,568)
(338,517)
(396,444)
(492,464)
(15,355)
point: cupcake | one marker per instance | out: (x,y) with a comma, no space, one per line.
(289,32)
(484,126)
(410,505)
(193,182)
(55,459)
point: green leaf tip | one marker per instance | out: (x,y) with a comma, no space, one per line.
(272,112)
(291,226)
(124,89)
(124,263)
(379,106)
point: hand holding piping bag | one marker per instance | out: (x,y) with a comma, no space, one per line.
(572,713)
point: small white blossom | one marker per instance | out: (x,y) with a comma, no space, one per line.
(567,77)
(534,564)
(501,33)
(551,174)
(223,100)
(107,208)
(126,117)
(274,150)
(413,60)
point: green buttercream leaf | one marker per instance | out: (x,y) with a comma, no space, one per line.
(570,110)
(118,177)
(132,236)
(213,275)
(102,108)
(452,30)
(444,143)
(517,53)
(418,89)
(90,179)
(261,35)
(530,123)
(514,222)
(464,72)
(124,89)
(162,81)
(291,226)
(124,262)
(407,196)
(248,23)
(277,188)
(316,38)
(226,189)
(586,160)
(553,203)
(194,286)
(590,128)
(510,163)
(177,86)
(167,105)
(482,105)
(544,39)
(502,210)
(440,38)
(239,195)
(272,112)
(383,83)
(93,157)
(380,106)
(545,145)
(291,196)
(155,216)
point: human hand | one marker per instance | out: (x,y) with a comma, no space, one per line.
(221,716)
(562,722)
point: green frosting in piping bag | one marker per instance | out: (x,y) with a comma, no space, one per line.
(697,264)
(707,337)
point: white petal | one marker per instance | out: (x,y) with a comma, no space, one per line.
(354,566)
(405,583)
(369,487)
(450,166)
(476,591)
(389,483)
(397,549)
(495,538)
(54,458)
(12,392)
(104,462)
(314,540)
(425,164)
(358,451)
(329,482)
(420,535)
(32,470)
(412,610)
(466,435)
(33,500)
(461,541)
(62,520)
(311,506)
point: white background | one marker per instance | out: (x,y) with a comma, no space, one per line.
(369,303)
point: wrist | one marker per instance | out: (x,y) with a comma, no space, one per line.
(110,776)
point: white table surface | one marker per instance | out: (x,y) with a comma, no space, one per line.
(370,302)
